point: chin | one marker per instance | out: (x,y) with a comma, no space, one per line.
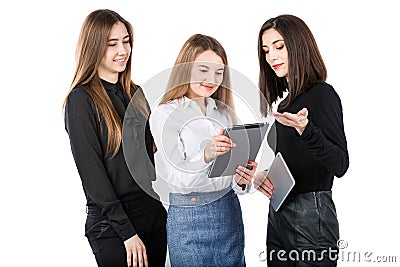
(281,74)
(120,70)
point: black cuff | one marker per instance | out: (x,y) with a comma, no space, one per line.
(125,231)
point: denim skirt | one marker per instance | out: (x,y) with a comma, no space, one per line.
(205,233)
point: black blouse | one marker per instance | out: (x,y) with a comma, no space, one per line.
(320,153)
(106,181)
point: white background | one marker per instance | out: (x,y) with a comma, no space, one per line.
(42,201)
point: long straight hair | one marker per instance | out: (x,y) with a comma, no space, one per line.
(91,48)
(306,66)
(179,80)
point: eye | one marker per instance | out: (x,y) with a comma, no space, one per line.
(203,70)
(219,73)
(266,51)
(280,47)
(112,44)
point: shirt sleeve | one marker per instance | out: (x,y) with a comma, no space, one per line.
(238,189)
(84,134)
(324,134)
(181,167)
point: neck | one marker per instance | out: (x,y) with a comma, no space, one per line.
(111,78)
(201,101)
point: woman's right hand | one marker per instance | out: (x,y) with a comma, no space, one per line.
(136,252)
(263,184)
(219,145)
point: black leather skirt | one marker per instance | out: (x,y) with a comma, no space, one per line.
(304,231)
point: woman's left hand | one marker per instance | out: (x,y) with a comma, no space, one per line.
(244,175)
(298,121)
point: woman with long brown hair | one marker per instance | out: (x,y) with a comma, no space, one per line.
(204,226)
(124,226)
(310,136)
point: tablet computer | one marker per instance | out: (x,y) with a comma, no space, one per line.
(280,176)
(248,139)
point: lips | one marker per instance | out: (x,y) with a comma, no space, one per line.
(277,66)
(207,86)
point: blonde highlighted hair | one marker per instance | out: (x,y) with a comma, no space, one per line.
(179,80)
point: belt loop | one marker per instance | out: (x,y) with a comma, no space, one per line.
(315,200)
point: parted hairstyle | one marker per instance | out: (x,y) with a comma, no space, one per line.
(92,46)
(179,80)
(306,66)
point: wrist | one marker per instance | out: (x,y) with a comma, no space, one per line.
(301,129)
(206,158)
(243,186)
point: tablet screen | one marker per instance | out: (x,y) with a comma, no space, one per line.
(248,139)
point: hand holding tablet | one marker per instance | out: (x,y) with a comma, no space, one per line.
(219,145)
(247,139)
(282,180)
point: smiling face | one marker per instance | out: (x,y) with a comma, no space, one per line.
(117,53)
(206,75)
(276,53)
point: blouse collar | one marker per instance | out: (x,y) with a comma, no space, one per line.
(211,103)
(110,86)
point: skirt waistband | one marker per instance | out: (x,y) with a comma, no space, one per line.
(311,195)
(198,198)
(308,198)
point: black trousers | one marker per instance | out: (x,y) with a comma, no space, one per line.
(304,231)
(150,224)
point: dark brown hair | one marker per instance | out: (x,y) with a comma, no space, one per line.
(92,46)
(306,66)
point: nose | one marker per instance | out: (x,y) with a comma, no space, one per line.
(272,55)
(123,49)
(211,78)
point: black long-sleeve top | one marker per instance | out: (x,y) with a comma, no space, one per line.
(320,153)
(106,181)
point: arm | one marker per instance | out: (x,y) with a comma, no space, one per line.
(263,184)
(325,137)
(185,163)
(221,144)
(83,130)
(243,179)
(181,165)
(324,134)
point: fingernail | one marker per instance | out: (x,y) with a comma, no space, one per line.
(233,144)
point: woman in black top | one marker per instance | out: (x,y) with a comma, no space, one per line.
(125,226)
(310,135)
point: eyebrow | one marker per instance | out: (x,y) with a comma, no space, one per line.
(116,39)
(279,40)
(205,66)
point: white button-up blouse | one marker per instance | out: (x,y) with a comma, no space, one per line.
(181,132)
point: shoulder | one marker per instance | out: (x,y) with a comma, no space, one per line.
(80,99)
(323,91)
(166,108)
(162,111)
(79,93)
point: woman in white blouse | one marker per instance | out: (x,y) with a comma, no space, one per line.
(204,226)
